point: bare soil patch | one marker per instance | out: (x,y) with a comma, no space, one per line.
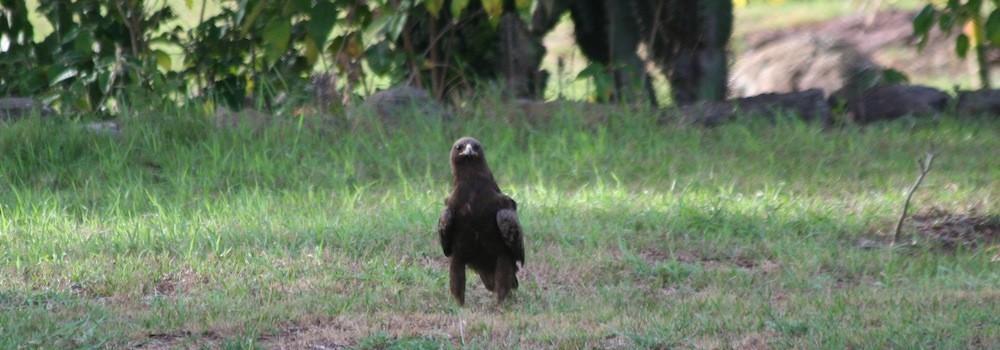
(711,263)
(888,39)
(953,231)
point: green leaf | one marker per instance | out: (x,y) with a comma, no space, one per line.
(974,6)
(962,45)
(592,70)
(254,13)
(277,33)
(189,3)
(311,52)
(523,5)
(434,7)
(396,28)
(494,8)
(457,6)
(84,43)
(945,22)
(162,60)
(377,27)
(993,27)
(893,76)
(924,20)
(66,73)
(302,5)
(322,18)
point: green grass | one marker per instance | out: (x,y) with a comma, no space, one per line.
(180,234)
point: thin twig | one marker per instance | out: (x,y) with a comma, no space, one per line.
(925,167)
(461,329)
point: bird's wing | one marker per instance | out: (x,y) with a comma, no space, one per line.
(444,231)
(510,228)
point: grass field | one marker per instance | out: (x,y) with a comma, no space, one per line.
(180,234)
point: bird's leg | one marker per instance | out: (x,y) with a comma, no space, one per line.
(504,277)
(457,274)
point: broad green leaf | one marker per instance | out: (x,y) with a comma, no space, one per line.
(162,60)
(945,22)
(592,70)
(457,6)
(311,51)
(277,33)
(493,8)
(974,5)
(377,27)
(396,28)
(104,80)
(434,7)
(993,27)
(63,75)
(84,43)
(962,45)
(248,22)
(190,3)
(322,18)
(924,20)
(893,76)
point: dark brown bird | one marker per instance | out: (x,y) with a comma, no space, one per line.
(479,226)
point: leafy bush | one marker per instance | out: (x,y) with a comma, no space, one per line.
(250,50)
(980,23)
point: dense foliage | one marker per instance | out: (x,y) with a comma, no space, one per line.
(249,48)
(980,23)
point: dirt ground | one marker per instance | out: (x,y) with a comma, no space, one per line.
(887,37)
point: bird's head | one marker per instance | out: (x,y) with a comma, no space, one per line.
(468,164)
(467,150)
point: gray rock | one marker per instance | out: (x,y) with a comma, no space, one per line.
(394,106)
(808,105)
(800,63)
(13,108)
(978,102)
(109,128)
(891,101)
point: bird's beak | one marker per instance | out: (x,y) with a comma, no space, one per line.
(468,152)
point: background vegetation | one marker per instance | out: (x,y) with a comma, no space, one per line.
(187,230)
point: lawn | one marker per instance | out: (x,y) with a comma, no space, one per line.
(301,234)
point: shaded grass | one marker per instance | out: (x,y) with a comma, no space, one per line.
(638,234)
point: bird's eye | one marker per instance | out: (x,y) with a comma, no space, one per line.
(475,147)
(458,147)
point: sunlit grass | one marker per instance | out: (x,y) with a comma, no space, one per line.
(638,234)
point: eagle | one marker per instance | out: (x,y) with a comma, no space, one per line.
(479,226)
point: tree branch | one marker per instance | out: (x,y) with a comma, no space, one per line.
(925,167)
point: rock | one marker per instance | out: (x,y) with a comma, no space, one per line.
(978,102)
(394,104)
(891,101)
(800,63)
(109,128)
(808,105)
(707,113)
(13,108)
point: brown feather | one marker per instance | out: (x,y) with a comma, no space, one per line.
(479,227)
